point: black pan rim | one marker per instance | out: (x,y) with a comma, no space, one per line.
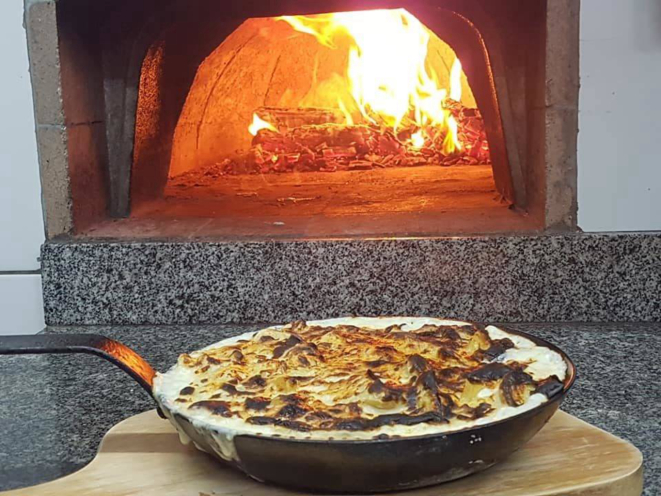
(568,383)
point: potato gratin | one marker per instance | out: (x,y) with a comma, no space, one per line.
(361,378)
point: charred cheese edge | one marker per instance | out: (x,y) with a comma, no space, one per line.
(360,378)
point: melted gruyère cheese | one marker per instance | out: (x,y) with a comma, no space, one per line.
(360,378)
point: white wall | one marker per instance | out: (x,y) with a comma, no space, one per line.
(21,226)
(21,308)
(619,147)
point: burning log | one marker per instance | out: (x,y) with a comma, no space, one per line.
(364,139)
(290,118)
(323,147)
(308,139)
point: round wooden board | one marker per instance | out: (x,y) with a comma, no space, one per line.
(143,456)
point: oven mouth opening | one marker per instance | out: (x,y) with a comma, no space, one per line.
(336,124)
(158,105)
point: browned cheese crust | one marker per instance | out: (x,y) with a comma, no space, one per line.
(349,378)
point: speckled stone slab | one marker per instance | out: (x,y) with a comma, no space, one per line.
(604,277)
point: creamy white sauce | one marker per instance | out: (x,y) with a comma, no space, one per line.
(486,393)
(519,341)
(541,363)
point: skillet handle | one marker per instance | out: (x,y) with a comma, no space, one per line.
(94,344)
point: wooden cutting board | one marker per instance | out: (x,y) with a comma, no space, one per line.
(143,456)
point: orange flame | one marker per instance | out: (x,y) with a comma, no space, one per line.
(347,115)
(386,71)
(451,142)
(455,81)
(417,140)
(259,124)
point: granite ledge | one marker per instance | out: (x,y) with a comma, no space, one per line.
(551,278)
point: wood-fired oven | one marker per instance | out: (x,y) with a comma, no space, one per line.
(298,119)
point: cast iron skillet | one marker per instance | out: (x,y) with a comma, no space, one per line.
(361,466)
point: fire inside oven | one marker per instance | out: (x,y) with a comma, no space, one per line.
(346,114)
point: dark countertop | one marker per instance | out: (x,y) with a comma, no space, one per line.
(56,408)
